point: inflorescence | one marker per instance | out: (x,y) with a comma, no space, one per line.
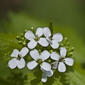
(48,51)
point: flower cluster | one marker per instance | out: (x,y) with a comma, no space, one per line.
(48,51)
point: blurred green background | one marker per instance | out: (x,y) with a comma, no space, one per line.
(68,17)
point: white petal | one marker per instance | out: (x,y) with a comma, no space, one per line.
(34,54)
(61,67)
(21,63)
(39,32)
(43,42)
(45,66)
(24,51)
(58,37)
(54,44)
(63,51)
(15,53)
(29,35)
(69,61)
(44,77)
(55,56)
(31,65)
(32,44)
(49,73)
(47,32)
(44,55)
(12,63)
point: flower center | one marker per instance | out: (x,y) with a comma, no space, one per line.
(51,51)
(61,59)
(36,38)
(18,58)
(39,61)
(49,61)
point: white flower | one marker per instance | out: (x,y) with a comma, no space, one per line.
(42,41)
(56,38)
(61,60)
(15,62)
(39,60)
(46,74)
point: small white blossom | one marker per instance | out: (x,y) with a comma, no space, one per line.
(54,42)
(39,57)
(39,32)
(61,60)
(15,62)
(46,74)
